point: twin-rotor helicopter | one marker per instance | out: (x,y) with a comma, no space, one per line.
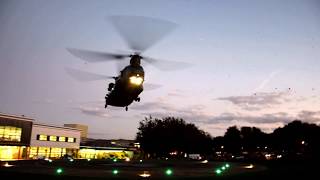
(140,33)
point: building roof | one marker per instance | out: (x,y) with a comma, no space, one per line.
(15,117)
(55,126)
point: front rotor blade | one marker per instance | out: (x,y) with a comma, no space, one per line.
(167,65)
(95,56)
(86,76)
(140,32)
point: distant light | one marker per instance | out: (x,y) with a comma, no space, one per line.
(222,147)
(279,156)
(7,165)
(218,171)
(227,165)
(145,174)
(302,142)
(169,172)
(204,162)
(223,168)
(166,158)
(249,166)
(115,172)
(127,159)
(140,160)
(50,160)
(71,160)
(88,159)
(115,160)
(59,170)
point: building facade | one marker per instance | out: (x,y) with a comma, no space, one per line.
(53,141)
(15,136)
(23,138)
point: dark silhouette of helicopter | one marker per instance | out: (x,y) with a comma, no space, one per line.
(140,33)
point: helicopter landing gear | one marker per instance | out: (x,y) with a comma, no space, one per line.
(126,108)
(105,106)
(137,99)
(110,87)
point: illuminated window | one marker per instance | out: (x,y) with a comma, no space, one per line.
(53,138)
(70,139)
(42,137)
(62,139)
(10,133)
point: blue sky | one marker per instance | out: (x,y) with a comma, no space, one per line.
(256,63)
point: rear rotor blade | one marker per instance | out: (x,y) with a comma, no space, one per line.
(140,32)
(167,65)
(86,76)
(95,56)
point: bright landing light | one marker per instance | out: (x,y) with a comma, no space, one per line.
(7,165)
(249,166)
(136,80)
(145,174)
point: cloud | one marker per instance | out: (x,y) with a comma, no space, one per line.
(258,101)
(280,117)
(44,101)
(94,111)
(156,105)
(310,116)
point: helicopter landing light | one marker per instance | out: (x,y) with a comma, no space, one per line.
(136,80)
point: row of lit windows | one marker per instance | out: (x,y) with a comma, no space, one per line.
(10,133)
(42,137)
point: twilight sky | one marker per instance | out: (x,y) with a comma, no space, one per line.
(256,63)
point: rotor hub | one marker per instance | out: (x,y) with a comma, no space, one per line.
(135,60)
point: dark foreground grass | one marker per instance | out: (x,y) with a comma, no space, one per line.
(302,170)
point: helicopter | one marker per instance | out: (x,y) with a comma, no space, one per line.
(140,33)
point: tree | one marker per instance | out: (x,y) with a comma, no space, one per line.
(232,140)
(159,137)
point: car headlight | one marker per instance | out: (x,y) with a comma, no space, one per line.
(136,80)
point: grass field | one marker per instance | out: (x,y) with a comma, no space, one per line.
(157,169)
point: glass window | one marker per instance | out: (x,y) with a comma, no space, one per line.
(43,137)
(70,139)
(62,139)
(53,138)
(10,133)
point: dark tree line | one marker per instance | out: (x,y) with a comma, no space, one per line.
(159,137)
(293,141)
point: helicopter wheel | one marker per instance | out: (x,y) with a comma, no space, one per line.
(126,108)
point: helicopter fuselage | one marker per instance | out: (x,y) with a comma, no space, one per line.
(127,87)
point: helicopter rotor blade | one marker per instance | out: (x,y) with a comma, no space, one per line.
(96,56)
(140,32)
(86,76)
(167,65)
